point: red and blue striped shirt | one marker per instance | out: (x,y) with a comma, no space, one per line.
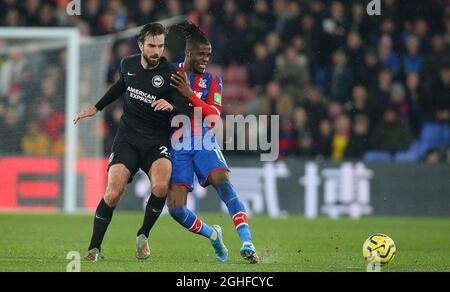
(207,89)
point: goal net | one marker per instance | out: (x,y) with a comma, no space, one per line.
(46,74)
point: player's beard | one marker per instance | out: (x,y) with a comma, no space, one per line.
(151,62)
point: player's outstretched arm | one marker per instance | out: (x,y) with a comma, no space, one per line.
(86,113)
(114,93)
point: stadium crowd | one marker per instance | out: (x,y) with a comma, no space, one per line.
(346,85)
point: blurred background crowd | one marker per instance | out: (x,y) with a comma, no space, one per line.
(346,85)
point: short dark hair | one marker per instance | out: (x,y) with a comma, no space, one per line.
(192,34)
(151,29)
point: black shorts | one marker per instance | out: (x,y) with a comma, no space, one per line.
(135,158)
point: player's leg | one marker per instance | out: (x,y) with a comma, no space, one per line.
(159,174)
(182,182)
(118,177)
(123,164)
(176,203)
(220,180)
(211,168)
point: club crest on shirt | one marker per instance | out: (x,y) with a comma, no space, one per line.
(198,93)
(158,81)
(202,83)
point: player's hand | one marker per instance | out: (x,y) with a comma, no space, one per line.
(181,83)
(162,105)
(86,113)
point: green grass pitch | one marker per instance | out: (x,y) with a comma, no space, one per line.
(42,242)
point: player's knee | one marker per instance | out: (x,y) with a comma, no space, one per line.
(112,198)
(160,189)
(219,181)
(216,179)
(113,195)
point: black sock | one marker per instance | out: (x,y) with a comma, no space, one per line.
(154,208)
(103,216)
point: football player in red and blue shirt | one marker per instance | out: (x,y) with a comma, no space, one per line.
(204,91)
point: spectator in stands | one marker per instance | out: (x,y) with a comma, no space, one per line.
(261,69)
(354,51)
(305,145)
(359,141)
(342,131)
(32,10)
(273,44)
(390,40)
(434,59)
(391,134)
(324,139)
(11,70)
(58,146)
(315,107)
(35,142)
(275,101)
(146,12)
(421,29)
(107,23)
(367,71)
(300,120)
(50,121)
(47,15)
(413,87)
(261,19)
(173,8)
(387,57)
(335,26)
(91,13)
(49,93)
(239,45)
(13,18)
(436,131)
(7,5)
(11,133)
(15,102)
(292,71)
(294,15)
(313,38)
(406,109)
(383,90)
(341,78)
(359,23)
(412,61)
(281,12)
(359,105)
(287,137)
(437,102)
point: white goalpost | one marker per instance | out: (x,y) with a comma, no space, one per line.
(71,37)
